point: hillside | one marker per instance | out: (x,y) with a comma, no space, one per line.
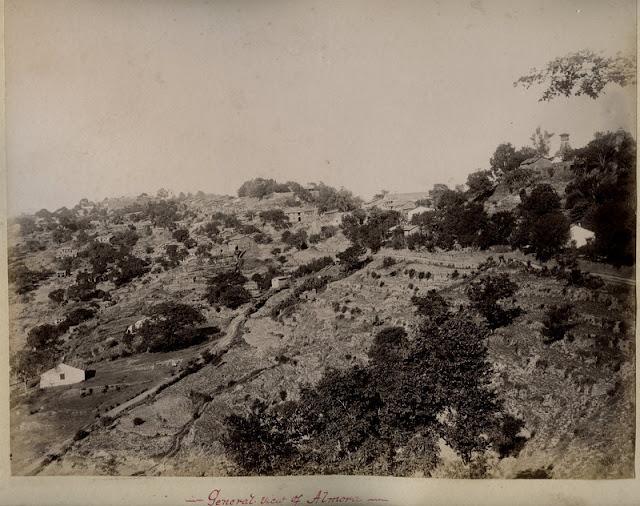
(165,411)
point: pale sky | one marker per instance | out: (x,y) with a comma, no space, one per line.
(109,98)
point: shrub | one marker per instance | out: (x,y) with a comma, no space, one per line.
(389,341)
(276,217)
(485,295)
(169,326)
(388,261)
(556,323)
(284,307)
(79,315)
(80,434)
(262,238)
(25,279)
(57,295)
(297,239)
(138,421)
(431,306)
(226,289)
(313,266)
(542,473)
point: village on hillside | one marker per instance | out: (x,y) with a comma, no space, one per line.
(161,335)
(321,252)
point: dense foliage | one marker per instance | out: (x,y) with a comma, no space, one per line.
(385,417)
(487,295)
(169,326)
(226,289)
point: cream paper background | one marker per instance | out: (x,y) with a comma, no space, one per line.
(178,491)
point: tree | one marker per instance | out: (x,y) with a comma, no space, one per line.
(169,326)
(541,141)
(260,188)
(329,198)
(369,231)
(210,230)
(543,199)
(432,306)
(385,417)
(543,226)
(580,73)
(389,341)
(548,234)
(276,217)
(78,316)
(180,234)
(124,240)
(57,295)
(350,257)
(602,194)
(480,183)
(163,213)
(486,295)
(297,239)
(506,158)
(128,268)
(556,322)
(498,229)
(44,337)
(25,279)
(100,256)
(226,289)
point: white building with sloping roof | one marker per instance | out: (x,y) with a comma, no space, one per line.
(580,235)
(62,374)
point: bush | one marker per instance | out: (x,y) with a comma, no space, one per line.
(79,315)
(284,307)
(536,474)
(432,306)
(389,341)
(388,261)
(180,234)
(276,217)
(297,240)
(169,326)
(313,266)
(138,421)
(261,238)
(227,289)
(57,296)
(556,323)
(80,434)
(25,279)
(485,295)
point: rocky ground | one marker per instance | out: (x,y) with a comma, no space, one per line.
(577,403)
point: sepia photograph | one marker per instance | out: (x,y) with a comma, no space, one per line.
(299,238)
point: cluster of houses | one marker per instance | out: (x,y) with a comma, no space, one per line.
(407,204)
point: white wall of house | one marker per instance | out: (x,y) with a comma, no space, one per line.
(62,374)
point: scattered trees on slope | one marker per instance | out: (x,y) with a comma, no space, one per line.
(385,417)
